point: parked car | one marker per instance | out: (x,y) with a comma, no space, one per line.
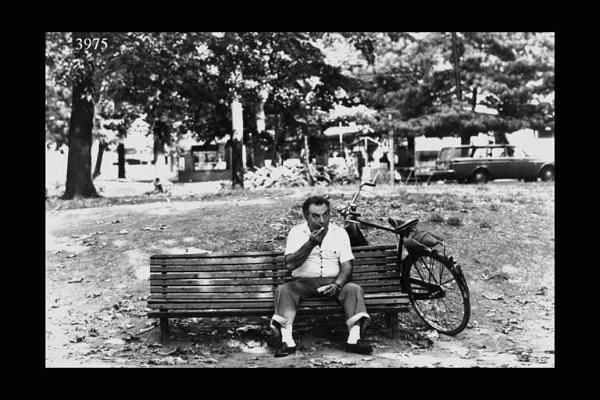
(479,164)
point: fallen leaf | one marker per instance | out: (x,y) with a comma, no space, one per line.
(76,280)
(72,255)
(115,341)
(123,232)
(432,334)
(144,330)
(493,296)
(248,328)
(77,339)
(473,324)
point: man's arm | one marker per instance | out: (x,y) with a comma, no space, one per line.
(345,273)
(340,280)
(296,259)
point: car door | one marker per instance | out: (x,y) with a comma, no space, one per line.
(499,163)
(524,167)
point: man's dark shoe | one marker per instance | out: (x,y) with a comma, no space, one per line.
(285,350)
(274,340)
(360,347)
(364,324)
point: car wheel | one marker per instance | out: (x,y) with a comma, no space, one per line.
(547,174)
(530,179)
(479,176)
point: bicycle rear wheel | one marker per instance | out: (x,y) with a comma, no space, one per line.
(438,291)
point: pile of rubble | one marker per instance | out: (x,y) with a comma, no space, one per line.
(298,175)
(267,177)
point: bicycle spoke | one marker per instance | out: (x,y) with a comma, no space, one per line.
(419,272)
(449,280)
(447,313)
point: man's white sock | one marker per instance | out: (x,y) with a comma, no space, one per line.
(286,336)
(354,334)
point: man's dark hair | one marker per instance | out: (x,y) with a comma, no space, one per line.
(316,200)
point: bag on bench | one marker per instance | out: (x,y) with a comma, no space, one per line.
(422,240)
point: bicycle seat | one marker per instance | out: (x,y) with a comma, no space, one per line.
(401,225)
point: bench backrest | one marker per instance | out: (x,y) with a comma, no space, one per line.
(257,272)
(247,281)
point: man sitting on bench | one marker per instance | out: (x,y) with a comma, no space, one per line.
(320,258)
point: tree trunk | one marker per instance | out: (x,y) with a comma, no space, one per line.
(474,99)
(456,66)
(500,137)
(465,138)
(250,150)
(237,163)
(275,154)
(257,153)
(101,147)
(121,159)
(411,151)
(392,158)
(160,166)
(79,165)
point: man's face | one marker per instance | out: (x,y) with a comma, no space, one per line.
(317,216)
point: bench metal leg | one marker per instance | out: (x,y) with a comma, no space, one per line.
(164,329)
(391,320)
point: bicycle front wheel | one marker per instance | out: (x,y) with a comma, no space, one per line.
(438,292)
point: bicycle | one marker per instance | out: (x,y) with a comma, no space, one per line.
(431,279)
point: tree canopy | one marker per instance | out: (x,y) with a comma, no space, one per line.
(423,83)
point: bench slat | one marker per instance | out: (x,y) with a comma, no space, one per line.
(263,262)
(258,281)
(360,274)
(232,297)
(356,249)
(216,260)
(249,269)
(264,304)
(213,289)
(258,312)
(257,289)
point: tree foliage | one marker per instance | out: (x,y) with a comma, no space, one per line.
(184,82)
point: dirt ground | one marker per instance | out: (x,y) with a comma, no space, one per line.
(97,268)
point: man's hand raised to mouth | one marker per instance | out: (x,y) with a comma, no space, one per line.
(318,235)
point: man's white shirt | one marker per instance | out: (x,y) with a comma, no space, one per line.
(323,260)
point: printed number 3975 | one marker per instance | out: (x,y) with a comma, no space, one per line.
(88,42)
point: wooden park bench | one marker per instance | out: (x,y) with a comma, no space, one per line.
(243,284)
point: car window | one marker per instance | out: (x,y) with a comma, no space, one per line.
(448,154)
(520,153)
(498,152)
(479,152)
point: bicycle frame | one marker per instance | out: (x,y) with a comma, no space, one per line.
(432,291)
